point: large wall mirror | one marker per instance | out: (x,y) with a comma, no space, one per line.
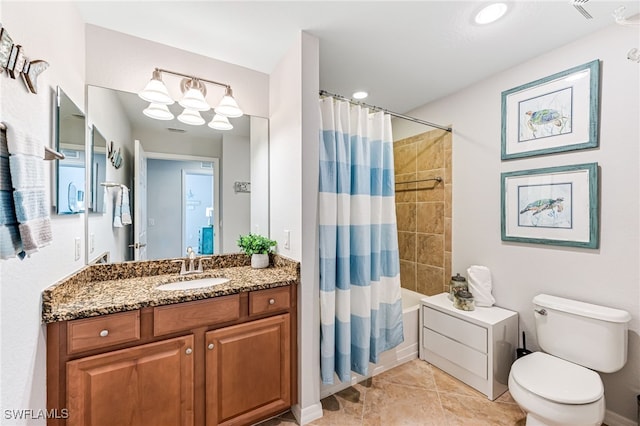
(196,186)
(70,140)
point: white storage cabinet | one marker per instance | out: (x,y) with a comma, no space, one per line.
(477,347)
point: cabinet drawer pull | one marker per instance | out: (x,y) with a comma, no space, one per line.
(188,351)
(210,346)
(104,333)
(272,301)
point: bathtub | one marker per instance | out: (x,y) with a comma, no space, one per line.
(404,352)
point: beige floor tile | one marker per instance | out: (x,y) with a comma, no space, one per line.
(413,373)
(449,384)
(392,404)
(464,410)
(412,394)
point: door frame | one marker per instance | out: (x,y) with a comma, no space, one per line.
(216,186)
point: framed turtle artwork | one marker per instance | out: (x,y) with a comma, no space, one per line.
(553,114)
(554,205)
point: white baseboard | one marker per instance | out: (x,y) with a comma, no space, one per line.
(613,419)
(307,414)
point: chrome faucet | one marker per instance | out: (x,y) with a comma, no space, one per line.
(191,257)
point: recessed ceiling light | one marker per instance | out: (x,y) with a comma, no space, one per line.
(360,95)
(491,13)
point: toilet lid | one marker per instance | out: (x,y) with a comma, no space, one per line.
(556,379)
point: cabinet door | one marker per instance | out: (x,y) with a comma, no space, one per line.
(248,371)
(149,384)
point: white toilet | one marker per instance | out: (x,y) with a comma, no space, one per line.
(558,387)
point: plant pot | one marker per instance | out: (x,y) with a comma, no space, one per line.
(259,260)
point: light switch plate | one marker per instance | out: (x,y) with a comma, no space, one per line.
(78,248)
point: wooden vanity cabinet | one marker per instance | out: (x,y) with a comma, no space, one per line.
(149,384)
(228,360)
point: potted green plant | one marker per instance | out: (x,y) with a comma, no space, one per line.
(258,247)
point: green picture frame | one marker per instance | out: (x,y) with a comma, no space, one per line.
(554,114)
(553,206)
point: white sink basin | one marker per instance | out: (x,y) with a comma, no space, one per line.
(192,284)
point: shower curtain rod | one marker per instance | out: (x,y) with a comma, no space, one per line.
(394,114)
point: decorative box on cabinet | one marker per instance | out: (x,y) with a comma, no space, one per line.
(477,347)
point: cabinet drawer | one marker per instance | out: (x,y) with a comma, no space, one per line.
(102,331)
(455,352)
(263,301)
(456,329)
(185,316)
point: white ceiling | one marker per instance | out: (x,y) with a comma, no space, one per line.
(404,54)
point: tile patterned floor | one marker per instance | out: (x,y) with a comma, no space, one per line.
(415,393)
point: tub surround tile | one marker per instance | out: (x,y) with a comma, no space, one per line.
(406,217)
(430,279)
(408,275)
(407,246)
(430,218)
(105,289)
(430,249)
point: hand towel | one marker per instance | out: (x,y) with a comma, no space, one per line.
(30,204)
(5,175)
(28,179)
(117,209)
(7,210)
(26,171)
(480,285)
(126,211)
(35,234)
(10,242)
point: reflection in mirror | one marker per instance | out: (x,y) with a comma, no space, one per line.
(198,188)
(98,170)
(70,141)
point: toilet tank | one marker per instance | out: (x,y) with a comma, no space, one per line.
(589,335)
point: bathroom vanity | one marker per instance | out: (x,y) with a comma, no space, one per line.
(120,351)
(477,347)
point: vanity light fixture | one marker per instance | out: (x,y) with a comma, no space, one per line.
(490,13)
(193,101)
(158,111)
(191,116)
(220,122)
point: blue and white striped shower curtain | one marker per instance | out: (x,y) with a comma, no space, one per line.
(360,296)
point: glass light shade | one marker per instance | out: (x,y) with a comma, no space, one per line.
(191,117)
(491,13)
(158,111)
(155,91)
(193,99)
(220,122)
(228,106)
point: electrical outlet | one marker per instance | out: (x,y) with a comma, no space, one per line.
(287,239)
(78,248)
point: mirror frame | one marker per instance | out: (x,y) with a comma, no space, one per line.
(65,109)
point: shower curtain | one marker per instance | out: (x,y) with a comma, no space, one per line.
(360,296)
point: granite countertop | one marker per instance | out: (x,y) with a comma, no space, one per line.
(105,289)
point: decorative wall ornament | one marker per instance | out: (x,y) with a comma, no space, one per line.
(554,205)
(554,114)
(14,61)
(114,156)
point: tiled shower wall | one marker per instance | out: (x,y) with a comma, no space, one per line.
(424,211)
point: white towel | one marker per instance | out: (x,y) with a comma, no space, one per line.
(126,210)
(480,285)
(117,209)
(23,144)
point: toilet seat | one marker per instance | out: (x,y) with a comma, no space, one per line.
(557,380)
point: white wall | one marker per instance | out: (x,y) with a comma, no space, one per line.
(107,115)
(236,206)
(123,62)
(259,141)
(60,42)
(609,275)
(294,124)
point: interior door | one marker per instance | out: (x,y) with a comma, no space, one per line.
(140,203)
